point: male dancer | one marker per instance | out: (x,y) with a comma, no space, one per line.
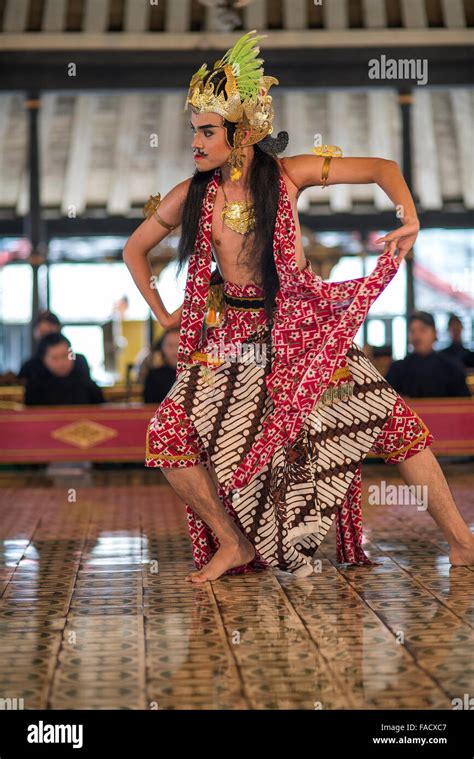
(266,454)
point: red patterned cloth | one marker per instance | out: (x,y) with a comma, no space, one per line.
(173,441)
(403,435)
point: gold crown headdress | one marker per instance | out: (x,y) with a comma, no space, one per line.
(241,96)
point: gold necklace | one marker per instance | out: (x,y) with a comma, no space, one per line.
(237,215)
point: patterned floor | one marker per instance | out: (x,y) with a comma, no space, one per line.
(96,614)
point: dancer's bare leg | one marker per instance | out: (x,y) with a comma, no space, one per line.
(195,486)
(423,469)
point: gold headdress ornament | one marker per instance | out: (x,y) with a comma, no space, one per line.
(247,104)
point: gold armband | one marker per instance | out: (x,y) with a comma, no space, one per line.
(329,152)
(149,210)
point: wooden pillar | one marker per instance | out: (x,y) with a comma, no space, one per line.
(406,100)
(33,226)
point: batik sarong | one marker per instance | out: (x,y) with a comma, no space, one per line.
(284,412)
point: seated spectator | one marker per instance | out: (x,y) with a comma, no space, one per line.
(58,381)
(382,358)
(160,379)
(48,323)
(457,349)
(425,373)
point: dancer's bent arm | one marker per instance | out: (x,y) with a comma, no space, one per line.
(306,171)
(144,238)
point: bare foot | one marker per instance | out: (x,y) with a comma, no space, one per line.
(462,555)
(226,557)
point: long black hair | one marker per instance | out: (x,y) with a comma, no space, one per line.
(264,188)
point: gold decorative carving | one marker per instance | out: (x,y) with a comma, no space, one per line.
(84,433)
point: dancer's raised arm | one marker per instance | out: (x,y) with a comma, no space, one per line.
(150,232)
(307,171)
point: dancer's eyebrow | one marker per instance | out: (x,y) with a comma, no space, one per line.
(206,126)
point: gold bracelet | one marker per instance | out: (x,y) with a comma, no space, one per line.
(328,151)
(325,171)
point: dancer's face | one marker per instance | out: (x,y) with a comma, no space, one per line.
(210,146)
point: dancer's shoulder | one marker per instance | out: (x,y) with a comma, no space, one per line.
(296,170)
(181,189)
(287,167)
(173,202)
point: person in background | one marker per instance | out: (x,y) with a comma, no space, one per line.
(58,381)
(159,380)
(457,349)
(48,323)
(426,373)
(382,358)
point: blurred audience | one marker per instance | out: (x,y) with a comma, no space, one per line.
(48,323)
(426,373)
(160,379)
(57,380)
(457,349)
(381,357)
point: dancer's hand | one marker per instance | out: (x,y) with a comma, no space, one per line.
(402,239)
(174,319)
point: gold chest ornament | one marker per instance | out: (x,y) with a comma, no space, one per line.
(238,215)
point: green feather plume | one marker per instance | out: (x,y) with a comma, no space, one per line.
(202,71)
(247,68)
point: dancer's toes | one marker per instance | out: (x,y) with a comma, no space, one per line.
(462,555)
(197,577)
(226,557)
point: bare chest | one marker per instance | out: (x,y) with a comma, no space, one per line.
(233,251)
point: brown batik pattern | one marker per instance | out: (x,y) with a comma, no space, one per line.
(288,508)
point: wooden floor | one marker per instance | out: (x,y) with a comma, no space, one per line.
(96,613)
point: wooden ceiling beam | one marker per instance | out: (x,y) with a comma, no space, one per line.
(141,69)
